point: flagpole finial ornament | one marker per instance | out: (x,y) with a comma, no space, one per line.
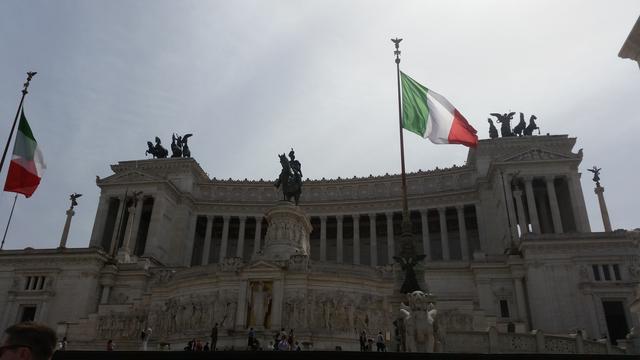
(30,76)
(396,41)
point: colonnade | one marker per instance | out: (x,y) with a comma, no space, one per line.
(352,249)
(543,213)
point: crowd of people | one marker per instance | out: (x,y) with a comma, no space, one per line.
(366,342)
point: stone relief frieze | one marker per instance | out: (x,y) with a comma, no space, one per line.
(231,264)
(335,311)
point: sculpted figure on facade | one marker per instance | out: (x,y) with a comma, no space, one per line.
(419,320)
(290,177)
(260,301)
(505,121)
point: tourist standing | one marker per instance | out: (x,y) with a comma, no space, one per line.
(380,342)
(251,338)
(363,341)
(62,346)
(214,337)
(110,345)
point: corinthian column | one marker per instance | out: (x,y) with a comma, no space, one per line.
(323,238)
(522,220)
(462,225)
(373,240)
(531,205)
(206,249)
(356,239)
(425,232)
(339,239)
(444,236)
(225,238)
(240,249)
(553,203)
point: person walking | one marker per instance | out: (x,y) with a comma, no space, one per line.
(363,341)
(381,347)
(251,338)
(110,345)
(214,337)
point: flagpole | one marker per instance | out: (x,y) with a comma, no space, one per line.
(8,222)
(406,221)
(30,75)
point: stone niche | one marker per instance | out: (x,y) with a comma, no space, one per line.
(287,234)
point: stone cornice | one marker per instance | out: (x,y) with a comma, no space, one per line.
(165,166)
(48,258)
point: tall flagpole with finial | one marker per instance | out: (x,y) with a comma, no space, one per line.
(30,75)
(408,257)
(406,221)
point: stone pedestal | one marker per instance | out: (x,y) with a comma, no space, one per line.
(287,234)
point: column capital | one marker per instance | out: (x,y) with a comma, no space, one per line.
(549,178)
(242,218)
(388,214)
(527,178)
(442,209)
(209,217)
(460,207)
(323,218)
(226,218)
(356,217)
(517,193)
(424,212)
(258,217)
(339,217)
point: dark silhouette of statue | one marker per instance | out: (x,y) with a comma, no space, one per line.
(185,148)
(493,132)
(596,174)
(179,147)
(518,129)
(157,150)
(505,121)
(410,283)
(73,198)
(528,131)
(176,149)
(290,177)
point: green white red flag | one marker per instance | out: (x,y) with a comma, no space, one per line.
(27,163)
(431,116)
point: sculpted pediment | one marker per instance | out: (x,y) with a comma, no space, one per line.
(537,155)
(132,176)
(262,266)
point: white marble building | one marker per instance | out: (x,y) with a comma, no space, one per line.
(511,259)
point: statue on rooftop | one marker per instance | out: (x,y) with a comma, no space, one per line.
(493,132)
(528,131)
(290,177)
(518,129)
(157,150)
(179,147)
(505,121)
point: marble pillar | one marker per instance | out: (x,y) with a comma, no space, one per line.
(206,248)
(599,190)
(100,221)
(323,238)
(553,203)
(258,234)
(462,226)
(225,238)
(522,219)
(356,239)
(191,239)
(339,242)
(241,231)
(511,211)
(444,235)
(531,205)
(426,247)
(373,240)
(391,250)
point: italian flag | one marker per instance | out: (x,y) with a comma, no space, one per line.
(430,115)
(27,164)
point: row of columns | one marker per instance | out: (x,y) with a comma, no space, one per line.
(532,208)
(225,237)
(373,248)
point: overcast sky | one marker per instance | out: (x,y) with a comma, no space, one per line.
(251,79)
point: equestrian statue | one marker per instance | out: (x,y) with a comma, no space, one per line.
(290,177)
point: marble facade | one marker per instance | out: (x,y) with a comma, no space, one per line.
(508,242)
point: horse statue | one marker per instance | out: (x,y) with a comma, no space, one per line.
(528,131)
(185,148)
(493,132)
(518,129)
(157,151)
(176,149)
(505,120)
(291,181)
